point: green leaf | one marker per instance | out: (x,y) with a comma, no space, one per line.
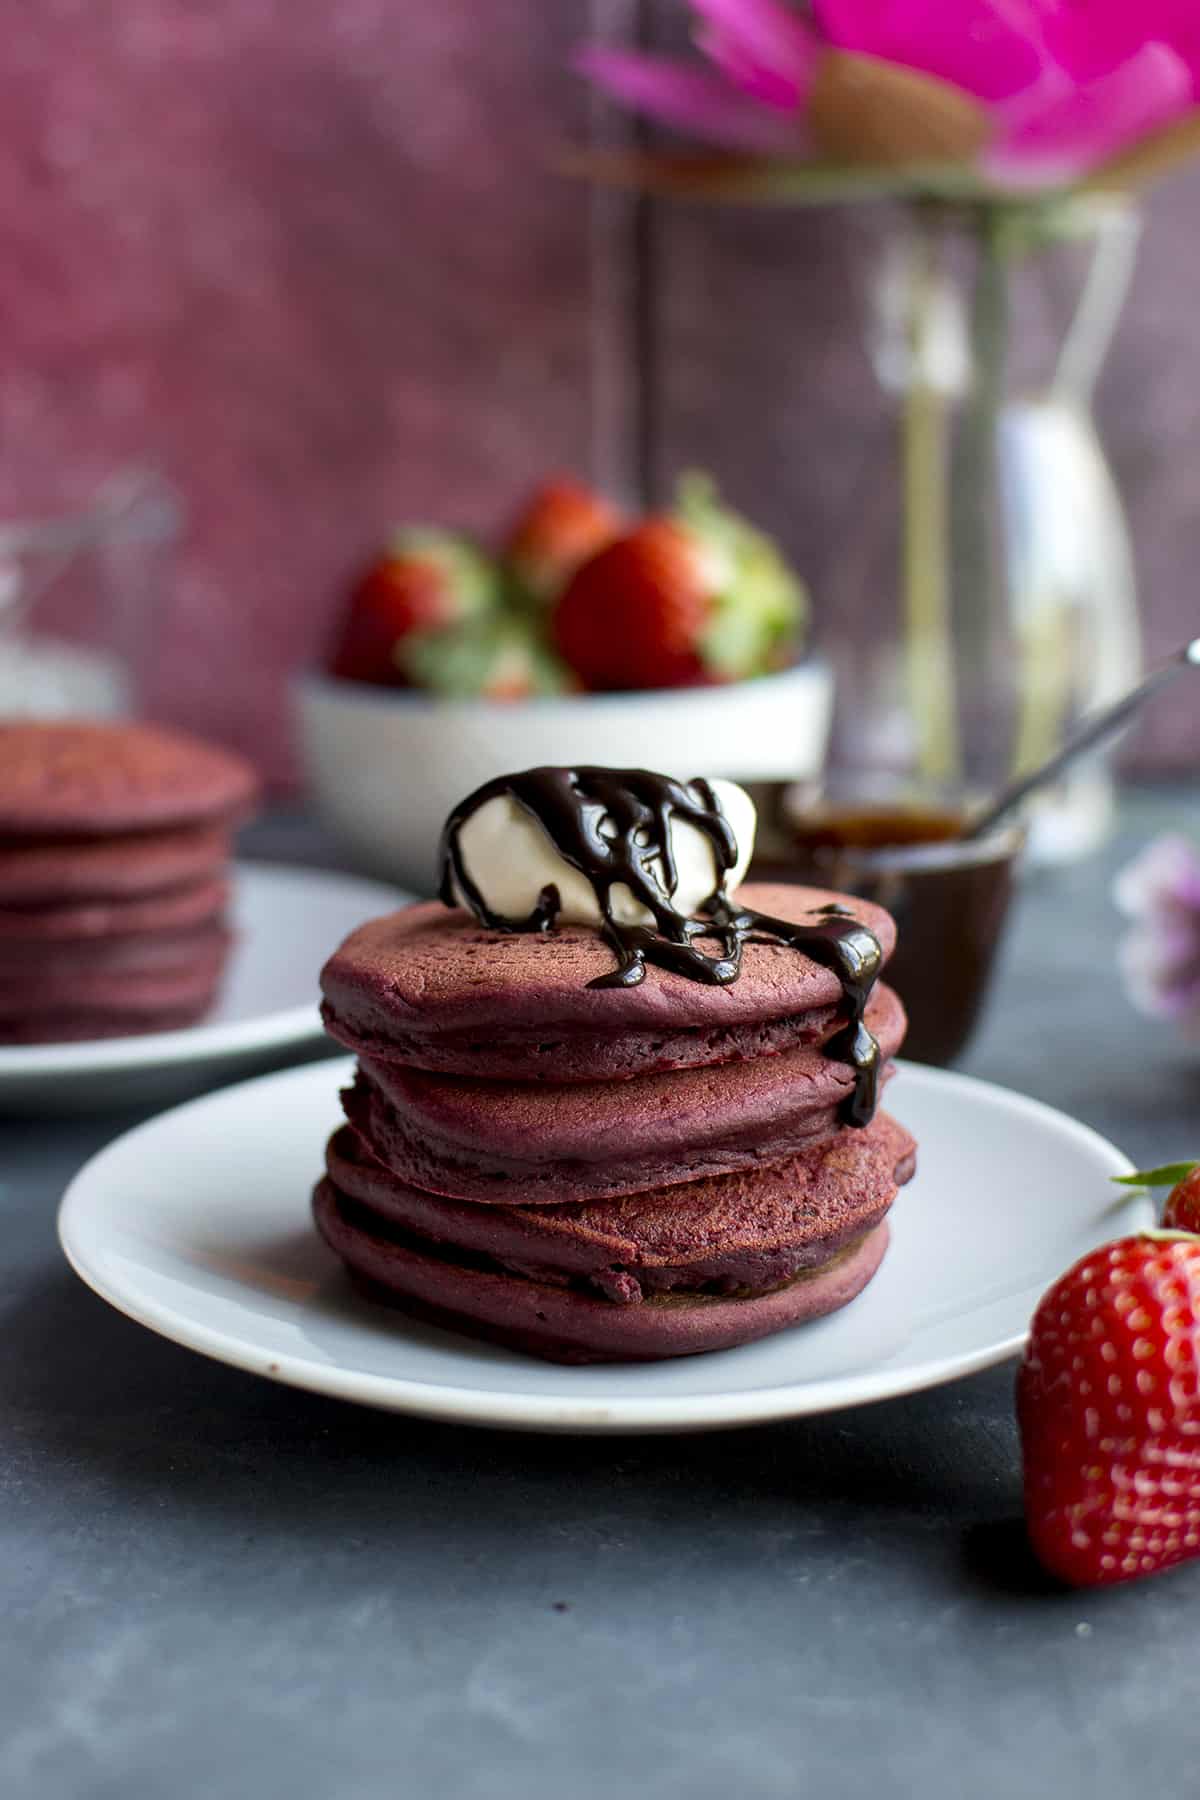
(471,575)
(481,657)
(762,605)
(1167,1176)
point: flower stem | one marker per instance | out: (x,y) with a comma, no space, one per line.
(929,649)
(980,601)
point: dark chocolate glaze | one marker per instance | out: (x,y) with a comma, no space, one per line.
(614,826)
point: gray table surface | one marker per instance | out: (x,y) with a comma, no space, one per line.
(215,1586)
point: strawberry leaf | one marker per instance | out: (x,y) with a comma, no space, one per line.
(1169,1175)
(761,603)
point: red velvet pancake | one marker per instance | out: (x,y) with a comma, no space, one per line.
(180,972)
(433,989)
(114,847)
(108,1005)
(478,1140)
(86,1027)
(120,981)
(563,1325)
(35,873)
(60,959)
(198,904)
(92,778)
(748,1231)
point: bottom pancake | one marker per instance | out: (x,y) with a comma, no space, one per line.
(86,1028)
(161,982)
(560,1324)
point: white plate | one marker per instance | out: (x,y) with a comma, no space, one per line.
(197,1224)
(287,920)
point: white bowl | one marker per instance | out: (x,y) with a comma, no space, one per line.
(386,766)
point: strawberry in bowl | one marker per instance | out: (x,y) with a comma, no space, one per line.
(491,659)
(427,582)
(580,637)
(559,527)
(684,599)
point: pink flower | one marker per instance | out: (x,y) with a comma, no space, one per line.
(1059,87)
(1160,955)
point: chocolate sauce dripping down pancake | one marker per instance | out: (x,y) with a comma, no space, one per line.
(614,827)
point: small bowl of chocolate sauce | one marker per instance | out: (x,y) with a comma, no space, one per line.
(904,850)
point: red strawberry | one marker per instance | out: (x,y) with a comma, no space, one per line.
(1182,1211)
(427,582)
(1108,1399)
(384,607)
(693,597)
(635,615)
(563,524)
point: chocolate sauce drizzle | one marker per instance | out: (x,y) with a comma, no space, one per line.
(614,826)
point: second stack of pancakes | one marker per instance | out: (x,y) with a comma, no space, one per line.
(599,1175)
(115,846)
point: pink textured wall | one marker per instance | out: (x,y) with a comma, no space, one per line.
(306,256)
(309,256)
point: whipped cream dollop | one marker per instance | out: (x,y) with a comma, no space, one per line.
(510,859)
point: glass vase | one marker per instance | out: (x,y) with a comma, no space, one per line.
(1016,610)
(81,596)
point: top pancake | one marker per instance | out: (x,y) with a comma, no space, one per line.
(434,988)
(94,778)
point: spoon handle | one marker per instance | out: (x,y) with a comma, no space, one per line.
(1092,731)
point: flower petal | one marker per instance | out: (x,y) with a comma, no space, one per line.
(992,48)
(1160,967)
(762,45)
(687,98)
(1164,875)
(1060,131)
(1143,976)
(1089,38)
(766,85)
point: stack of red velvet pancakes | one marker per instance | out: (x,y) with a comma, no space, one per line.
(614,1172)
(115,843)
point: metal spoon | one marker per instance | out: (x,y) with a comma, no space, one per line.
(1092,731)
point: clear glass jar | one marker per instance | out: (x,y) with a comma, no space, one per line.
(81,596)
(1014,612)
